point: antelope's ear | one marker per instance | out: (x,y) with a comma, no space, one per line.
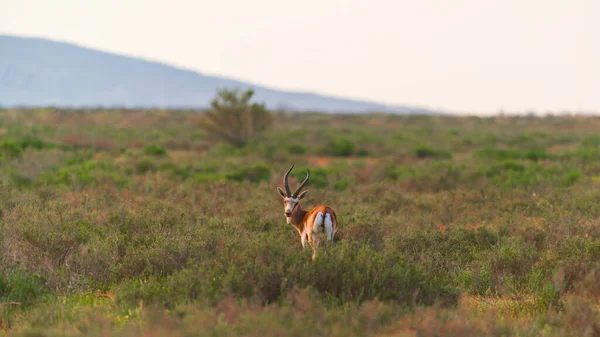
(281,192)
(301,195)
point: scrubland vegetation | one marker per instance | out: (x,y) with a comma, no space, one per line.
(136,223)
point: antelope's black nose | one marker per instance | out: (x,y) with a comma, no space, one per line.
(288,213)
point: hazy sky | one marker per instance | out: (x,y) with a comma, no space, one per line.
(475,56)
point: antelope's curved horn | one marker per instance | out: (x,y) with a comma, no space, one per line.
(285,182)
(303,183)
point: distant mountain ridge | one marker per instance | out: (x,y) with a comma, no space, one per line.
(42,72)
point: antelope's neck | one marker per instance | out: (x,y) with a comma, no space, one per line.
(297,218)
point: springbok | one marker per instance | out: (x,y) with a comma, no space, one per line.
(312,225)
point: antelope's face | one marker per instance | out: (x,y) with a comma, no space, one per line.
(289,204)
(291,200)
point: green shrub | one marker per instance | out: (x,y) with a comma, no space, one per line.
(547,297)
(183,172)
(253,173)
(508,154)
(362,152)
(207,177)
(19,286)
(507,166)
(590,142)
(341,147)
(19,291)
(10,149)
(154,150)
(61,177)
(427,152)
(13,149)
(398,140)
(35,143)
(297,149)
(81,172)
(226,150)
(19,181)
(572,177)
(478,280)
(143,166)
(342,184)
(589,155)
(318,176)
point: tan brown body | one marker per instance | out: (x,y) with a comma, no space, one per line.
(314,225)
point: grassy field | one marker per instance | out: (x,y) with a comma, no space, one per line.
(133,223)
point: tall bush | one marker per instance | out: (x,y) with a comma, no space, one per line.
(234,119)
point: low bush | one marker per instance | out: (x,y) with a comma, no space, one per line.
(154,150)
(509,154)
(428,152)
(268,274)
(253,173)
(341,147)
